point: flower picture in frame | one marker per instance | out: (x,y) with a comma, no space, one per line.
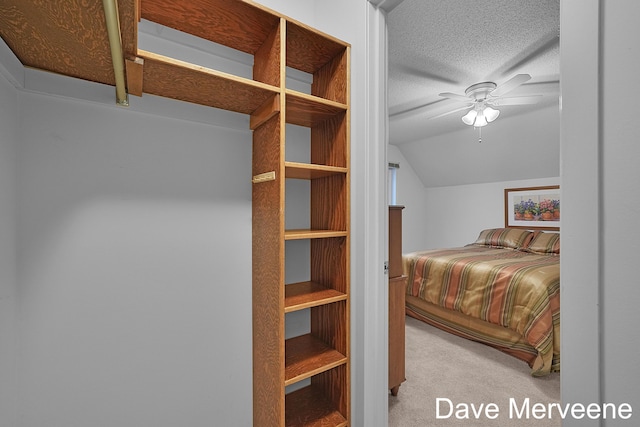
(532,207)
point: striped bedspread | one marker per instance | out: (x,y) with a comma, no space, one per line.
(506,287)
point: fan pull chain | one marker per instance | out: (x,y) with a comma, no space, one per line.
(479,135)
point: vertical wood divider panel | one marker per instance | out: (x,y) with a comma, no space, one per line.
(267,66)
(268,277)
(269,244)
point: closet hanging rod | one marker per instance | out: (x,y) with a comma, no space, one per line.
(115,42)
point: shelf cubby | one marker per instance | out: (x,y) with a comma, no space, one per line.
(302,295)
(310,407)
(325,57)
(309,110)
(306,356)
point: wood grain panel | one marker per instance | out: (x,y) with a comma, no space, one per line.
(330,81)
(299,296)
(395,241)
(397,290)
(236,24)
(309,407)
(191,83)
(306,356)
(268,66)
(329,142)
(329,259)
(128,10)
(303,234)
(265,112)
(268,277)
(296,170)
(66,37)
(308,49)
(134,76)
(307,110)
(329,203)
(328,323)
(334,386)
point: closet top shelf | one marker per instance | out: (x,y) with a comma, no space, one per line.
(237,24)
(171,78)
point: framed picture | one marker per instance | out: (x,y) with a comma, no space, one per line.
(532,207)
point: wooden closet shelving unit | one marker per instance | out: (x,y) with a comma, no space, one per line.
(322,355)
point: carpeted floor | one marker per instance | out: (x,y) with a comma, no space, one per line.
(443,366)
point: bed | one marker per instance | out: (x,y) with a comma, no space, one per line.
(502,290)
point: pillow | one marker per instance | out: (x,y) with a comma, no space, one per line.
(545,243)
(513,238)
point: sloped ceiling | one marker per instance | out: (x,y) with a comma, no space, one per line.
(446,46)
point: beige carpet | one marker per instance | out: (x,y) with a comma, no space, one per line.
(441,365)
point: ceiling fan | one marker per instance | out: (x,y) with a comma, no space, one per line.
(482,97)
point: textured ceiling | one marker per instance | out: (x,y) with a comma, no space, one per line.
(445,46)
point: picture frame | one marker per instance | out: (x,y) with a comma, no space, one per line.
(532,207)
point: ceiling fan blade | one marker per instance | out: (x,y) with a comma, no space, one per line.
(455,97)
(449,112)
(510,84)
(516,100)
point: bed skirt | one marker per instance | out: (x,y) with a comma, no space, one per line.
(499,337)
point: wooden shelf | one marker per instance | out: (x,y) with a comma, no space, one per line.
(308,50)
(298,296)
(306,356)
(300,234)
(309,110)
(309,407)
(310,171)
(172,78)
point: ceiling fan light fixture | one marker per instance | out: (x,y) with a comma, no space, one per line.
(470,117)
(490,114)
(481,120)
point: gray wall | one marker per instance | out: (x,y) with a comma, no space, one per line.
(135,242)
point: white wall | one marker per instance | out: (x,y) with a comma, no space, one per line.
(455,215)
(9,121)
(620,157)
(134,266)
